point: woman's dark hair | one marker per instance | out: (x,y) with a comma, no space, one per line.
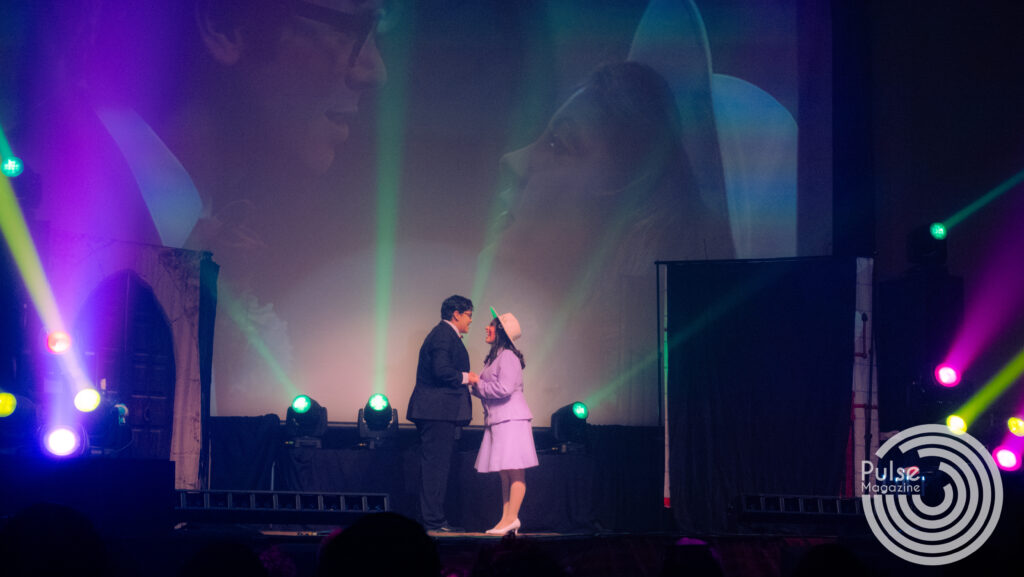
(641,122)
(642,125)
(501,341)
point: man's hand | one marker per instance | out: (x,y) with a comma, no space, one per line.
(473,378)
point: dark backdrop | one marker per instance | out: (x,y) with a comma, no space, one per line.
(759,382)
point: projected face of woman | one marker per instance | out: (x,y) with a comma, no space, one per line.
(308,92)
(562,184)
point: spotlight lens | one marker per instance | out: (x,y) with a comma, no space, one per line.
(87,400)
(12,166)
(301,404)
(1006,459)
(1016,426)
(378,402)
(58,342)
(580,410)
(956,424)
(937,230)
(8,403)
(947,376)
(62,441)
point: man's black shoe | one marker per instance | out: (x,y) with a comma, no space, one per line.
(445,530)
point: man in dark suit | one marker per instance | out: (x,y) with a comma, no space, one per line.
(440,406)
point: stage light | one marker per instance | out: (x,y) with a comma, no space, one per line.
(377,420)
(1006,459)
(58,342)
(937,230)
(301,404)
(956,424)
(122,413)
(923,248)
(305,423)
(947,376)
(8,403)
(569,424)
(377,413)
(87,400)
(107,428)
(64,441)
(377,402)
(580,410)
(12,166)
(1016,426)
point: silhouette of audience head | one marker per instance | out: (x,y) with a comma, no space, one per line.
(278,563)
(691,558)
(46,540)
(381,545)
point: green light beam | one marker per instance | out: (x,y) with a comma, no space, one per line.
(583,286)
(695,326)
(992,390)
(711,314)
(5,146)
(595,399)
(391,123)
(19,242)
(237,313)
(531,104)
(988,197)
(26,258)
(492,240)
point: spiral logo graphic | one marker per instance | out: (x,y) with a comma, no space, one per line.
(970,501)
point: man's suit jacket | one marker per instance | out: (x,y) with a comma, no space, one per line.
(439,394)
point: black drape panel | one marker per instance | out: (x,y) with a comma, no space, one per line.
(614,484)
(346,471)
(242,451)
(629,476)
(559,494)
(759,385)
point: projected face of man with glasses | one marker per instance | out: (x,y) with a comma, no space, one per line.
(240,99)
(306,86)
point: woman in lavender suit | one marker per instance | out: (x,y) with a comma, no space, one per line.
(507,447)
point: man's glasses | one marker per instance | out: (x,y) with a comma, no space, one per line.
(358,25)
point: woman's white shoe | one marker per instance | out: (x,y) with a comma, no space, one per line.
(512,527)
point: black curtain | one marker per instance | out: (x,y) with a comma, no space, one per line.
(614,483)
(759,382)
(242,451)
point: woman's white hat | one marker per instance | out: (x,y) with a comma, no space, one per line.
(510,323)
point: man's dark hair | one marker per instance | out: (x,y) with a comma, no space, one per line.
(453,304)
